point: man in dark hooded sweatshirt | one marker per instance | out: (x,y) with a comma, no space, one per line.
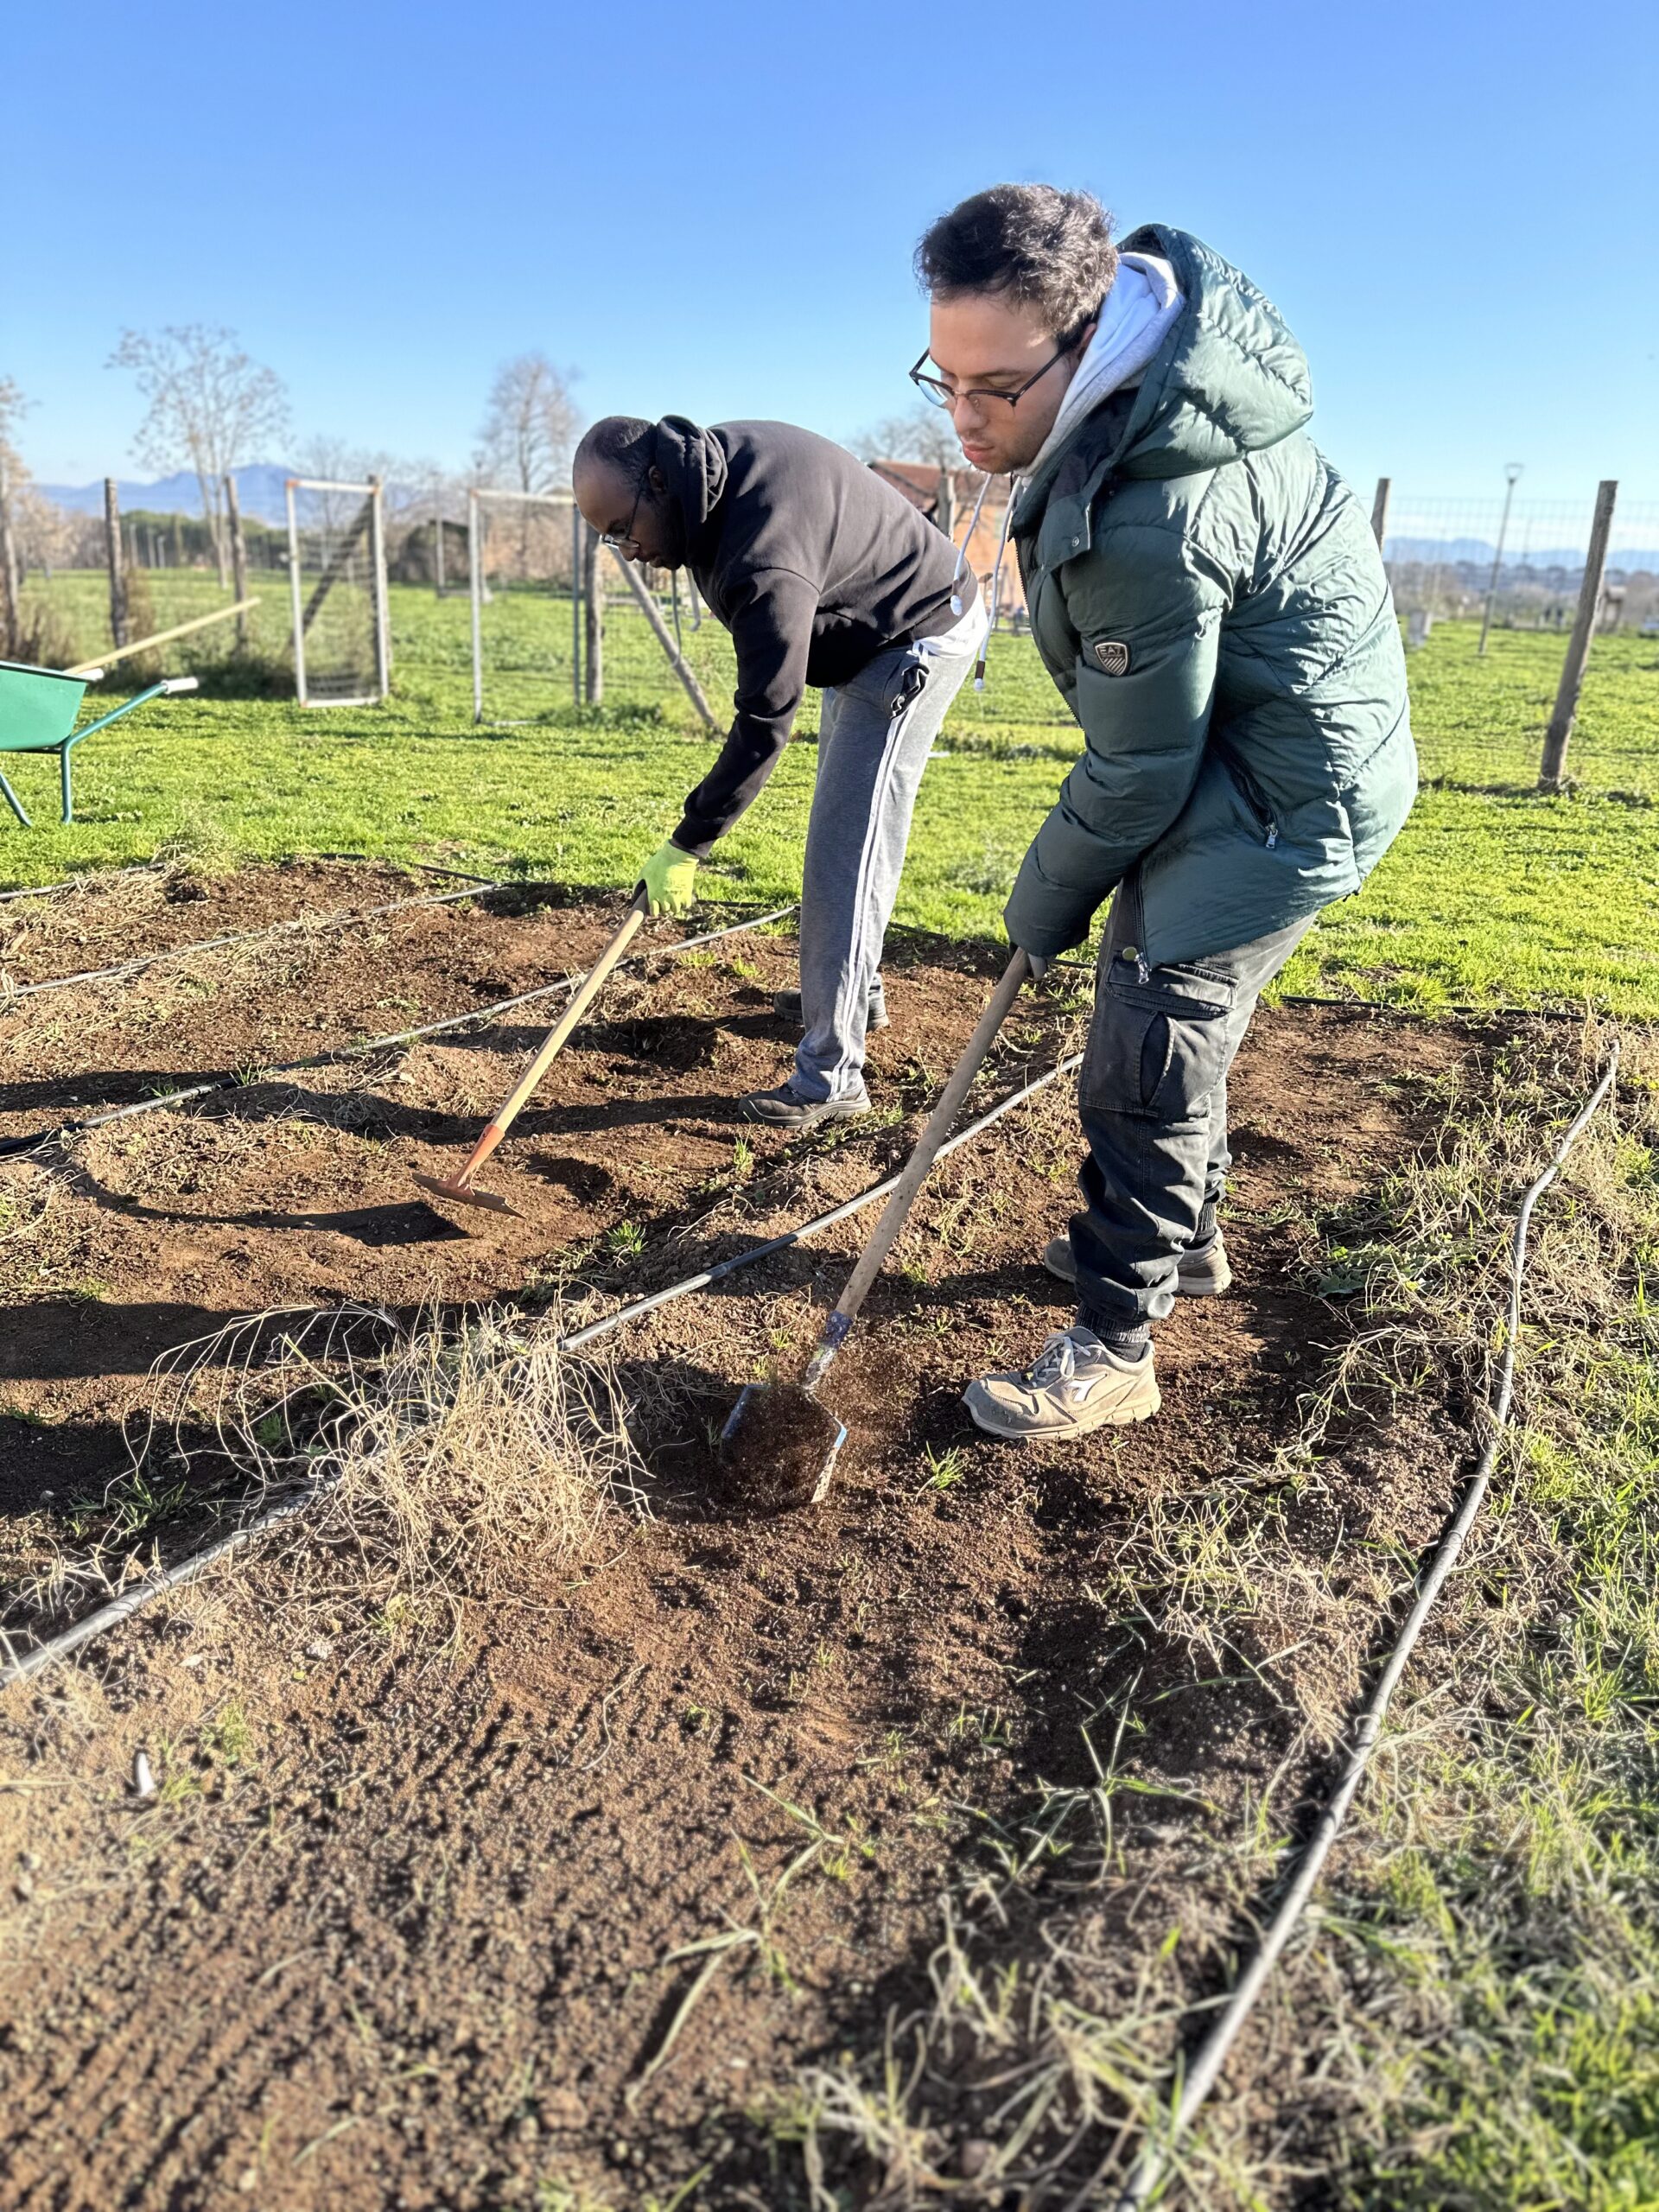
(1206,591)
(824,573)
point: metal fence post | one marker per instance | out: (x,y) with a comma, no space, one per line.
(594,589)
(1511,471)
(1554,765)
(575,602)
(377,569)
(294,580)
(1380,510)
(474,574)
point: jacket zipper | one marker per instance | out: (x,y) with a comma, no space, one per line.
(1251,793)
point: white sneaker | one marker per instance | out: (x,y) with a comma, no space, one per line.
(1075,1383)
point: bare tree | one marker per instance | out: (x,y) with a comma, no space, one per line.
(924,433)
(530,427)
(211,409)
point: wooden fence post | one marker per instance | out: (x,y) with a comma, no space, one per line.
(1380,509)
(11,612)
(1553,768)
(677,660)
(114,552)
(594,593)
(239,557)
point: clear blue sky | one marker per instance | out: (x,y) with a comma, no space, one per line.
(711,210)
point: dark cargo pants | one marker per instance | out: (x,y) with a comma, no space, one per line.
(1153,1095)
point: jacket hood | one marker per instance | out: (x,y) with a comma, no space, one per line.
(694,462)
(1227,379)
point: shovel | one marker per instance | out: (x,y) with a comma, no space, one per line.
(779,1446)
(459,1187)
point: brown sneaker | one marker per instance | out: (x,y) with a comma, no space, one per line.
(1198,1274)
(1074,1384)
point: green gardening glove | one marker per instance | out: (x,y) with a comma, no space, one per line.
(669,878)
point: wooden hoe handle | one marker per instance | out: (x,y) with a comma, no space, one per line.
(507,1112)
(893,1214)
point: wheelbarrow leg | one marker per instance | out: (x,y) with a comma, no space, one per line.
(14,803)
(68,787)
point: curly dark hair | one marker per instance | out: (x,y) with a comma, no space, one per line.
(1047,249)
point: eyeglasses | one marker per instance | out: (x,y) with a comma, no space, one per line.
(618,538)
(941,395)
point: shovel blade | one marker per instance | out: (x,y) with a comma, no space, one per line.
(461,1195)
(778,1449)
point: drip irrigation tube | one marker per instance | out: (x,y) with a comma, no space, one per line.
(11,1146)
(131,1601)
(121,969)
(1199,2077)
(79,882)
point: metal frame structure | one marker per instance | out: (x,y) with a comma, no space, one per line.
(373,494)
(476,494)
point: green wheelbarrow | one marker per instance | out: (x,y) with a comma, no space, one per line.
(38,707)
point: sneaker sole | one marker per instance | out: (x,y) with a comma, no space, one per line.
(807,1121)
(1116,1416)
(1206,1286)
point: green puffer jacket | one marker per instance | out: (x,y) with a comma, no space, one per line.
(1206,591)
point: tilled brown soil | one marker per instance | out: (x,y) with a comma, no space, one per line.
(400,1927)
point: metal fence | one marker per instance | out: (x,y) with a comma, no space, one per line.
(337,579)
(1446,557)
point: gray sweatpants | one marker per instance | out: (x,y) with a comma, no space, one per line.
(874,741)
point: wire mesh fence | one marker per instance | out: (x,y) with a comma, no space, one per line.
(524,556)
(1446,556)
(337,583)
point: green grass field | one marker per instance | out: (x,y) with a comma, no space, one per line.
(1492,895)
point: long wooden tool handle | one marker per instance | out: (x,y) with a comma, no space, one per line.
(898,1207)
(507,1113)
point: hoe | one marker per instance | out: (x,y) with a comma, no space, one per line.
(459,1188)
(779,1446)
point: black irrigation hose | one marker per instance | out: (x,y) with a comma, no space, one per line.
(78,882)
(344,1054)
(120,969)
(1199,2076)
(131,1601)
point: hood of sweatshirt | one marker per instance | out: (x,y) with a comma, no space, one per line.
(1226,378)
(693,462)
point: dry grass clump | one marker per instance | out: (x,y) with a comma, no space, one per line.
(449,1462)
(1470,2014)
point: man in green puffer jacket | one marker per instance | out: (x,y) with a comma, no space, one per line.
(1206,591)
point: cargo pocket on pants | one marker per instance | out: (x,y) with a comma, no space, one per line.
(1156,1050)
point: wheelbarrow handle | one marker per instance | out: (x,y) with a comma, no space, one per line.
(895,1212)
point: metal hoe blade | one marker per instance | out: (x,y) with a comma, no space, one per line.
(461,1194)
(746,1452)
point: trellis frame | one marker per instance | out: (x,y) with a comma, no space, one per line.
(373,519)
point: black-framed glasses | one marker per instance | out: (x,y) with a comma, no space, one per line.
(618,538)
(941,395)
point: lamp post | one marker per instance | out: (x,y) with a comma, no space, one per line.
(1511,470)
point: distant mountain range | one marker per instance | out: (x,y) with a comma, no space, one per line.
(1450,551)
(259,488)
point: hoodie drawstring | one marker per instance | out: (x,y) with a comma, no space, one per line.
(962,551)
(996,584)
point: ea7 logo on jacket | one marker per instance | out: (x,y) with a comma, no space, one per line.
(1113,656)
